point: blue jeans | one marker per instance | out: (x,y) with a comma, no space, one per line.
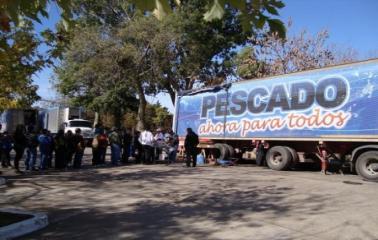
(172,156)
(116,153)
(31,157)
(77,160)
(126,153)
(44,159)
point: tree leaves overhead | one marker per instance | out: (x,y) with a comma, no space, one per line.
(276,26)
(16,11)
(252,13)
(19,60)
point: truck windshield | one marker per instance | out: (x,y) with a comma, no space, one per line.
(86,124)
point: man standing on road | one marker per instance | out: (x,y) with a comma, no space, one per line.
(127,140)
(159,143)
(102,139)
(51,150)
(31,149)
(115,146)
(172,141)
(19,139)
(147,140)
(79,148)
(44,148)
(6,147)
(191,142)
(60,150)
(70,147)
(137,147)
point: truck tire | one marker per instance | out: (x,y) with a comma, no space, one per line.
(278,158)
(367,165)
(223,151)
(294,156)
(230,149)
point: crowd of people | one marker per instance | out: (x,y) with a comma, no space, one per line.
(58,151)
(66,149)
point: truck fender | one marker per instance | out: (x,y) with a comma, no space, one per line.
(356,152)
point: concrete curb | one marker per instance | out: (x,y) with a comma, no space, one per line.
(38,221)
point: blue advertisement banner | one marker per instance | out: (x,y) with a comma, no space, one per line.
(338,101)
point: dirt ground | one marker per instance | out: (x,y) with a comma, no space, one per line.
(174,202)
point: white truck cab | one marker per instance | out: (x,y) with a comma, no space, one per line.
(84,125)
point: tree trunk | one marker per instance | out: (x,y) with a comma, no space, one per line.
(141,109)
(172,94)
(117,119)
(96,119)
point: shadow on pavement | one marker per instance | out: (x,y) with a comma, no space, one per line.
(193,216)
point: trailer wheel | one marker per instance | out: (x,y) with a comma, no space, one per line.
(294,156)
(367,165)
(223,151)
(231,151)
(278,158)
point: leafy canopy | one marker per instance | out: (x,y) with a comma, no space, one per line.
(251,13)
(19,60)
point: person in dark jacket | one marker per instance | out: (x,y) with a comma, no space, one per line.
(79,143)
(127,142)
(60,150)
(51,150)
(191,142)
(19,145)
(6,147)
(137,147)
(70,147)
(31,149)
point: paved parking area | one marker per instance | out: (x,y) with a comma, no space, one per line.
(174,202)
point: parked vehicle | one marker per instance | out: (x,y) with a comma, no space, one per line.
(10,118)
(67,118)
(328,113)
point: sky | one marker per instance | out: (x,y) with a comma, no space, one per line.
(351,24)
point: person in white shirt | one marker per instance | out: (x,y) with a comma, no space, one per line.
(159,143)
(147,140)
(159,136)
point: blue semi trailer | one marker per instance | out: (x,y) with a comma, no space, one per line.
(324,115)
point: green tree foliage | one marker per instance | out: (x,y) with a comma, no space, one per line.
(90,74)
(158,116)
(19,60)
(194,52)
(147,56)
(251,13)
(111,67)
(14,12)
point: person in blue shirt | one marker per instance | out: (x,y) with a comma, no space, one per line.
(44,148)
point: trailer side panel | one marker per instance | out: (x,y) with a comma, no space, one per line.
(332,103)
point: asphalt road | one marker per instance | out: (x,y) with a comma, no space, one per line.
(174,202)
